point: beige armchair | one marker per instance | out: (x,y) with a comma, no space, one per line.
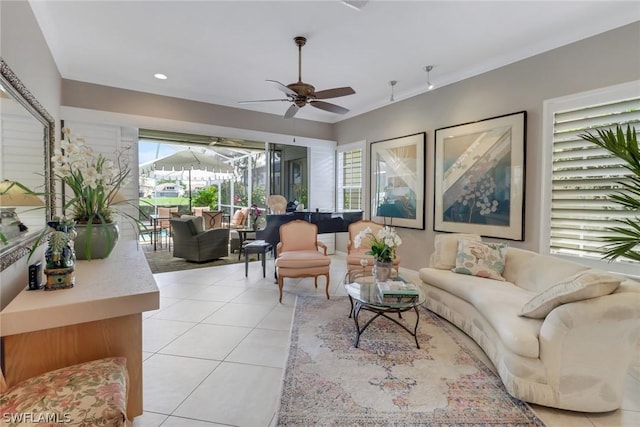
(354,255)
(193,243)
(297,254)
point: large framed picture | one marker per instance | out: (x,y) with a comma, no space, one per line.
(479,177)
(397,181)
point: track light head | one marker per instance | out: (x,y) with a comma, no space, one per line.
(428,69)
(392,83)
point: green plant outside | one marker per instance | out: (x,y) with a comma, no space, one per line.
(207,196)
(624,145)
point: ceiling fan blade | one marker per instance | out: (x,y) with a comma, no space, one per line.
(282,87)
(334,93)
(291,111)
(333,108)
(262,100)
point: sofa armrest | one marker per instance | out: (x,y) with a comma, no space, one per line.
(590,344)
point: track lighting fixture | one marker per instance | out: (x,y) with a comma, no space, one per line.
(428,69)
(392,83)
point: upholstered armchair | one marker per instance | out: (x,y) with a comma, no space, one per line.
(193,243)
(354,255)
(297,254)
(277,204)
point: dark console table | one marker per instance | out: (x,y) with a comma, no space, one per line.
(327,222)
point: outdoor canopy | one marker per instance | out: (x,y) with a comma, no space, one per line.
(188,159)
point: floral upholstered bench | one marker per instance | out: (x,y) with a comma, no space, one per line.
(88,394)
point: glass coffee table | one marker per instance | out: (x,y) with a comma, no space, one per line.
(364,294)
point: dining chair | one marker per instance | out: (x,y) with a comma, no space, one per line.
(297,254)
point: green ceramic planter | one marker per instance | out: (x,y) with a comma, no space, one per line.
(101,242)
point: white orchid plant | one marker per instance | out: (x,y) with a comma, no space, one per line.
(383,243)
(92,178)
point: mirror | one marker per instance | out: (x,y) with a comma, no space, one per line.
(27,135)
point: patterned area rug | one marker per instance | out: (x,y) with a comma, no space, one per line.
(388,381)
(162,260)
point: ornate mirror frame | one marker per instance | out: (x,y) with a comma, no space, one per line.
(21,94)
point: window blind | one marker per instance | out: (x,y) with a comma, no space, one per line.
(350,180)
(584,175)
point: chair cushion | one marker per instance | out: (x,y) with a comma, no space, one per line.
(302,259)
(92,393)
(198,223)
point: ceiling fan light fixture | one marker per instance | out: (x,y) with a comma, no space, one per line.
(428,69)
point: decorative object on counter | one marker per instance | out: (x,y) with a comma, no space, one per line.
(59,256)
(383,249)
(13,194)
(95,182)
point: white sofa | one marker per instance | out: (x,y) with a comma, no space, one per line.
(576,358)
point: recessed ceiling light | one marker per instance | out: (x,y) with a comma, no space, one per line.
(160,76)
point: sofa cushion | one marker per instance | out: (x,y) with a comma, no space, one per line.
(446,249)
(584,285)
(498,302)
(481,259)
(543,271)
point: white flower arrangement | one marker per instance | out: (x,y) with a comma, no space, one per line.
(92,178)
(383,243)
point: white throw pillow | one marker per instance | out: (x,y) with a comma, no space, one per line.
(584,285)
(481,259)
(446,249)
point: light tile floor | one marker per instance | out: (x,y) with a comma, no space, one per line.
(215,351)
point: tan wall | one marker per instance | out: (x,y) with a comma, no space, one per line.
(607,59)
(104,98)
(23,48)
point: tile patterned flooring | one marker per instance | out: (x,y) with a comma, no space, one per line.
(214,353)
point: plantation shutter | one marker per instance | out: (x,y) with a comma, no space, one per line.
(583,176)
(350,180)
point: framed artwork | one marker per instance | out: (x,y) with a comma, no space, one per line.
(397,181)
(479,177)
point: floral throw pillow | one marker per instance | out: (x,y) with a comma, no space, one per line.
(481,259)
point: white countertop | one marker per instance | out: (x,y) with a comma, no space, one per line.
(119,285)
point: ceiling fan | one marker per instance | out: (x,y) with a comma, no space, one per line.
(301,94)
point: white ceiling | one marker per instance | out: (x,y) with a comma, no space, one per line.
(222,52)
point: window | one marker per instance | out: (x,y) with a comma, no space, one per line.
(350,161)
(582,174)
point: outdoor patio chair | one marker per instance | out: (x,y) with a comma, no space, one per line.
(193,243)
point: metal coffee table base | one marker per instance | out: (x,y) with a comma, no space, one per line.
(381,311)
